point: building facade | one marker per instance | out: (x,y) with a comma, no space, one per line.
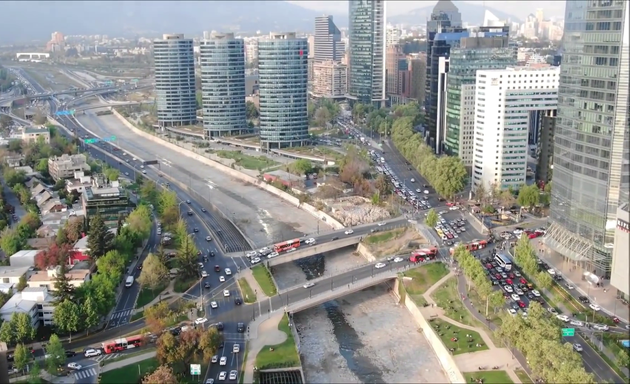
(283,90)
(544,147)
(65,166)
(108,201)
(507,102)
(327,45)
(621,256)
(330,80)
(366,67)
(417,64)
(174,62)
(37,303)
(223,85)
(591,156)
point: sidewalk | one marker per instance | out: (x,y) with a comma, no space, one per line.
(170,298)
(264,332)
(253,283)
(125,362)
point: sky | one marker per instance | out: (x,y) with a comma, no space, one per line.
(518,8)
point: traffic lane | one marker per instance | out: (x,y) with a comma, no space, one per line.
(233,361)
(593,363)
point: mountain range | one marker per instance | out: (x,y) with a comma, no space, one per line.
(30,21)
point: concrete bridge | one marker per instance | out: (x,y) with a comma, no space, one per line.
(324,244)
(26,56)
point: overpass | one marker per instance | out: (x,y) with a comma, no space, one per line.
(319,247)
(32,56)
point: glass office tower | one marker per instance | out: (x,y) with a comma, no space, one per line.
(590,171)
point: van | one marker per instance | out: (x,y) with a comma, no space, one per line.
(129,281)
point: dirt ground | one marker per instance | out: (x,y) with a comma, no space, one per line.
(409,239)
(385,345)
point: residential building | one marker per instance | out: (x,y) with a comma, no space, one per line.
(77,183)
(366,67)
(544,146)
(591,170)
(621,257)
(392,36)
(32,134)
(11,275)
(464,62)
(174,62)
(507,105)
(25,258)
(251,51)
(327,45)
(76,277)
(223,85)
(65,166)
(14,160)
(37,303)
(330,80)
(108,200)
(283,89)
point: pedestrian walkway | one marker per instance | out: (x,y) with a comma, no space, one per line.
(470,362)
(168,294)
(129,361)
(263,331)
(85,373)
(253,283)
(106,357)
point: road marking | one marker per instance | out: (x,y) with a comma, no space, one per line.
(85,373)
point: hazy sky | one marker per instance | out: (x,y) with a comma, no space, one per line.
(517,8)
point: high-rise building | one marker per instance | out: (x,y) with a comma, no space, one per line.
(621,258)
(417,64)
(544,146)
(57,38)
(251,51)
(283,90)
(366,69)
(591,172)
(223,85)
(174,61)
(396,61)
(507,106)
(474,53)
(330,80)
(327,41)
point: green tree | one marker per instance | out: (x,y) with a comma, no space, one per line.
(623,360)
(67,317)
(11,242)
(303,166)
(64,290)
(252,111)
(528,196)
(34,375)
(450,177)
(7,332)
(156,317)
(62,237)
(22,327)
(112,174)
(139,221)
(111,264)
(22,283)
(432,218)
(13,177)
(166,199)
(56,353)
(154,273)
(100,239)
(42,167)
(149,192)
(322,116)
(544,280)
(382,185)
(21,357)
(90,316)
(187,256)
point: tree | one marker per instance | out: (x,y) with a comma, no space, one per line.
(187,257)
(22,327)
(322,116)
(153,274)
(21,357)
(166,199)
(90,316)
(54,255)
(167,349)
(481,195)
(74,229)
(62,237)
(64,290)
(450,177)
(5,121)
(528,196)
(303,166)
(111,264)
(162,375)
(11,242)
(22,283)
(34,375)
(100,239)
(112,174)
(139,221)
(544,280)
(56,354)
(7,332)
(382,185)
(67,317)
(149,192)
(209,343)
(42,167)
(623,360)
(156,316)
(507,198)
(13,177)
(252,111)
(432,218)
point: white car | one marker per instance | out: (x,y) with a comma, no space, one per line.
(256,260)
(228,271)
(222,376)
(204,274)
(263,250)
(508,289)
(398,260)
(223,361)
(594,307)
(200,320)
(208,238)
(551,271)
(272,254)
(210,381)
(226,293)
(221,279)
(214,305)
(564,318)
(236,348)
(92,352)
(578,347)
(426,191)
(512,311)
(309,285)
(309,241)
(233,374)
(349,232)
(134,159)
(577,323)
(251,254)
(515,297)
(600,327)
(215,358)
(381,223)
(144,172)
(380,265)
(536,293)
(552,311)
(75,366)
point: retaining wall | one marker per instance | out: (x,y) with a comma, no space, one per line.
(365,252)
(444,356)
(334,224)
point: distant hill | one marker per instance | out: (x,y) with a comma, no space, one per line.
(35,20)
(471,13)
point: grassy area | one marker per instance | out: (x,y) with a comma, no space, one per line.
(281,355)
(523,376)
(137,315)
(264,279)
(456,339)
(248,162)
(494,314)
(246,291)
(183,284)
(422,278)
(147,295)
(130,373)
(129,355)
(447,298)
(383,237)
(488,377)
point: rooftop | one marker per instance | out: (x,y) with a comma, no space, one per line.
(27,253)
(24,301)
(13,271)
(73,274)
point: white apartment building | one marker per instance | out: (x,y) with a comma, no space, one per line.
(507,103)
(330,80)
(65,166)
(37,303)
(251,50)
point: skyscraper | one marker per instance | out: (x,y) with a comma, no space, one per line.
(283,79)
(328,45)
(175,80)
(223,85)
(366,69)
(591,156)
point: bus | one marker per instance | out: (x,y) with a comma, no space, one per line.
(286,245)
(504,261)
(423,254)
(122,344)
(476,245)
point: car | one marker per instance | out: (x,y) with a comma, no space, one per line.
(221,279)
(223,361)
(217,268)
(126,173)
(515,297)
(204,274)
(521,304)
(398,260)
(578,347)
(576,323)
(69,354)
(334,238)
(75,366)
(200,265)
(255,260)
(214,305)
(517,274)
(200,320)
(349,232)
(187,201)
(195,230)
(228,271)
(144,172)
(382,223)
(512,311)
(594,307)
(236,348)
(600,327)
(536,293)
(226,293)
(238,301)
(426,191)
(203,210)
(309,241)
(222,375)
(210,381)
(207,285)
(569,286)
(208,238)
(584,299)
(508,289)
(233,374)
(264,250)
(240,327)
(552,311)
(251,254)
(272,255)
(309,285)
(380,265)
(519,291)
(564,318)
(92,352)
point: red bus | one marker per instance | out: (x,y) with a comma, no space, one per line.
(473,246)
(118,345)
(423,254)
(286,245)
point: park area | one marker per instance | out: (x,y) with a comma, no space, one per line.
(247,292)
(283,355)
(456,339)
(130,373)
(422,278)
(488,377)
(255,163)
(264,279)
